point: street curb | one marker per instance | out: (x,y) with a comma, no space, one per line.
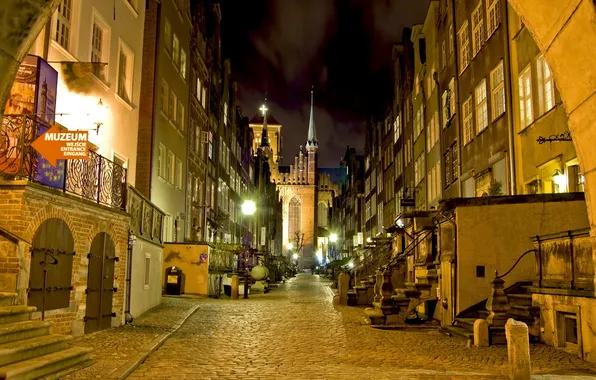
(126,369)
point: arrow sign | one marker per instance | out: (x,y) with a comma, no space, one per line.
(55,144)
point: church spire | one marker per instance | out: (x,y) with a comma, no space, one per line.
(265,134)
(312,133)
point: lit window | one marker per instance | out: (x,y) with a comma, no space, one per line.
(125,73)
(419,167)
(199,89)
(498,91)
(468,120)
(494,16)
(481,107)
(464,46)
(546,84)
(477,29)
(173,107)
(165,93)
(176,51)
(183,63)
(97,52)
(178,174)
(63,23)
(451,39)
(162,161)
(180,118)
(418,123)
(225,109)
(526,114)
(170,167)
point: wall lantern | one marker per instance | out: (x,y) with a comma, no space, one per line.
(100,114)
(560,180)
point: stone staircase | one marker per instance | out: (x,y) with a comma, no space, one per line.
(29,350)
(521,309)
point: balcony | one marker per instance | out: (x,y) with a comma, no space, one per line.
(96,179)
(146,219)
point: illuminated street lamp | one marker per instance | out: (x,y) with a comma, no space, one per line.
(295,256)
(290,246)
(100,114)
(333,238)
(560,180)
(248,208)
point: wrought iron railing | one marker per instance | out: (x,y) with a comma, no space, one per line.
(96,178)
(146,219)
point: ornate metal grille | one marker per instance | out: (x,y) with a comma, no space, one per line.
(97,178)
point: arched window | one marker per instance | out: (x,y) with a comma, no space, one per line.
(294,218)
(322,214)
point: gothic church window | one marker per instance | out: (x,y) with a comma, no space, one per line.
(295,214)
(322,214)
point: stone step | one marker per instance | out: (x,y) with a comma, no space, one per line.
(524,311)
(524,299)
(458,332)
(17,313)
(11,332)
(29,348)
(7,299)
(45,365)
(467,323)
(483,314)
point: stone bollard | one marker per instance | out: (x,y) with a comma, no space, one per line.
(481,333)
(342,288)
(235,287)
(518,350)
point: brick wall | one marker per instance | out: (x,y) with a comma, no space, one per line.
(27,207)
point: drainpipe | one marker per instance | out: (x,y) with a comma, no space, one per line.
(511,131)
(454,261)
(127,316)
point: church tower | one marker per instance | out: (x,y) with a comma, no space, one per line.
(312,145)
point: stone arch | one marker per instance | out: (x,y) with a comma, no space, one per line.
(322,213)
(44,214)
(565,32)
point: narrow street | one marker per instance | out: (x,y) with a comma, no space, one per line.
(297,332)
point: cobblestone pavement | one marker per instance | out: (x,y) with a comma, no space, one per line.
(297,332)
(113,348)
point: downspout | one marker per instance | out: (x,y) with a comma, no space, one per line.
(453,261)
(512,171)
(127,315)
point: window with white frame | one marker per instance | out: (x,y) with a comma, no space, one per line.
(173,109)
(477,29)
(63,23)
(197,143)
(468,121)
(418,123)
(430,133)
(419,168)
(493,16)
(397,128)
(100,47)
(176,51)
(225,109)
(546,85)
(210,148)
(171,167)
(183,63)
(464,47)
(180,119)
(445,108)
(497,79)
(167,35)
(178,174)
(481,107)
(162,161)
(526,114)
(204,97)
(452,97)
(125,72)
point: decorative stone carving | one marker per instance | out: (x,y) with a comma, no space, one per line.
(497,303)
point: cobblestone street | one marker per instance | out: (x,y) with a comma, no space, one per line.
(297,332)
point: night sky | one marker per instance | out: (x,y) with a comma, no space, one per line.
(342,47)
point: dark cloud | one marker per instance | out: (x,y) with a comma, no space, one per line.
(342,47)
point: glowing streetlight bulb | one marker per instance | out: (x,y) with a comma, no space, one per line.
(290,246)
(295,256)
(249,207)
(333,238)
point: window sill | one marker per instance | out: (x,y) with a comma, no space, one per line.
(63,50)
(106,86)
(126,104)
(481,131)
(499,117)
(134,12)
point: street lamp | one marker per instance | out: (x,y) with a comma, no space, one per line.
(99,115)
(333,238)
(290,246)
(248,208)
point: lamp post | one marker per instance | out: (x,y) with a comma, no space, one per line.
(248,209)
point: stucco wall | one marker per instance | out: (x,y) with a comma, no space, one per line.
(195,269)
(499,243)
(144,297)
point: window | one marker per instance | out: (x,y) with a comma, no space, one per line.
(125,73)
(468,121)
(294,219)
(183,63)
(63,23)
(97,52)
(197,139)
(546,85)
(176,51)
(173,108)
(199,89)
(204,97)
(464,47)
(162,161)
(210,149)
(168,36)
(147,269)
(526,115)
(322,214)
(497,79)
(451,164)
(397,128)
(165,93)
(443,55)
(170,167)
(494,16)
(418,123)
(481,107)
(419,169)
(225,113)
(451,40)
(477,29)
(178,174)
(180,116)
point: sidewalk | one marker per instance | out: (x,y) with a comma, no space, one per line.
(117,351)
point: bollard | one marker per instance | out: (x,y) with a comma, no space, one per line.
(234,287)
(342,288)
(518,350)
(481,334)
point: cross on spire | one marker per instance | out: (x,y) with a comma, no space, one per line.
(263,109)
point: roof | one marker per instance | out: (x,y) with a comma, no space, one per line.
(258,119)
(337,175)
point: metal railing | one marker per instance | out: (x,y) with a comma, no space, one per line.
(97,179)
(146,219)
